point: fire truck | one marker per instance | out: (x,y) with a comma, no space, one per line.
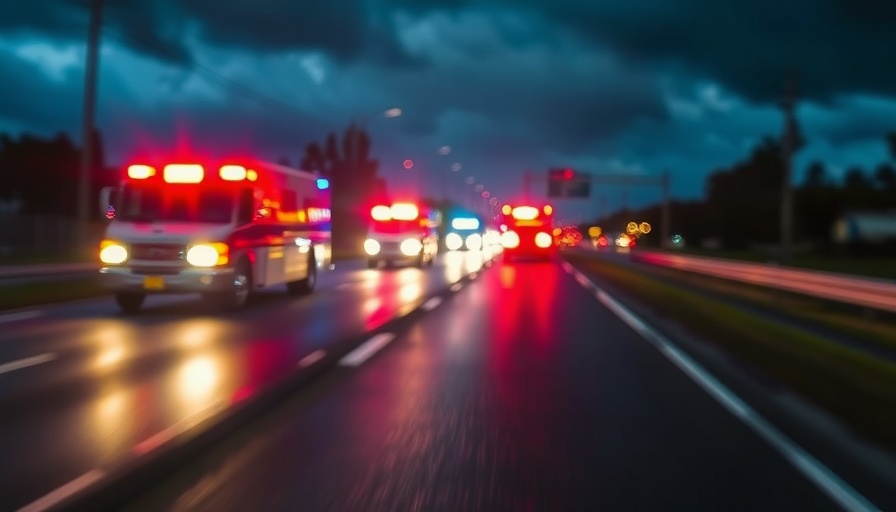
(222,229)
(527,230)
(402,232)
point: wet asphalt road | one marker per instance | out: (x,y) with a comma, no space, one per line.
(84,387)
(520,392)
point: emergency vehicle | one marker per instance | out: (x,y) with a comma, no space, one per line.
(464,231)
(402,232)
(527,230)
(222,230)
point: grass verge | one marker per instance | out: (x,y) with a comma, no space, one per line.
(878,267)
(35,294)
(858,388)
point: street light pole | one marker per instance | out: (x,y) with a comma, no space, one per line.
(87,156)
(788,105)
(664,228)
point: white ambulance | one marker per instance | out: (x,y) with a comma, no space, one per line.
(221,229)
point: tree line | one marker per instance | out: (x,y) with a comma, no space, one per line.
(742,204)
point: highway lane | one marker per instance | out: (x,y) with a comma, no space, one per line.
(520,392)
(83,386)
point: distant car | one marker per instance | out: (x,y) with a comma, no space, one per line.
(465,233)
(601,242)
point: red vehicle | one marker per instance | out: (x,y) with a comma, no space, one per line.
(527,230)
(402,232)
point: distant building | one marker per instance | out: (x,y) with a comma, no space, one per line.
(865,228)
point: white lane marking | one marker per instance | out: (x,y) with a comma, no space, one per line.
(26,362)
(59,494)
(431,304)
(21,315)
(367,349)
(158,439)
(312,358)
(810,467)
(456,287)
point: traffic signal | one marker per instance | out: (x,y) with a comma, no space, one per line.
(565,174)
(566,182)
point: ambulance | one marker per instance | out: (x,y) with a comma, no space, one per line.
(222,229)
(402,232)
(527,231)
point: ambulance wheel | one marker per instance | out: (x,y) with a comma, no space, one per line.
(241,286)
(130,302)
(304,286)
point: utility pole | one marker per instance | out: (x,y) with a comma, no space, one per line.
(665,222)
(87,156)
(788,106)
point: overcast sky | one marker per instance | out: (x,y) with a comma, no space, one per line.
(633,86)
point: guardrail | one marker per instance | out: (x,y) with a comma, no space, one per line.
(61,269)
(868,292)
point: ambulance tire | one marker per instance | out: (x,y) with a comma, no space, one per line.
(238,296)
(130,302)
(304,286)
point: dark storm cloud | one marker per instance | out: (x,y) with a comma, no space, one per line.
(753,48)
(30,98)
(831,46)
(62,18)
(342,28)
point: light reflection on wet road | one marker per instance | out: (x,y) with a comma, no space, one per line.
(115,386)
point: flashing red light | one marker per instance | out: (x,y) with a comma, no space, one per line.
(183,173)
(140,172)
(568,174)
(525,213)
(380,212)
(408,164)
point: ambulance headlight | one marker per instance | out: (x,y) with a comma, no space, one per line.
(543,240)
(207,255)
(411,247)
(371,247)
(453,241)
(112,252)
(510,240)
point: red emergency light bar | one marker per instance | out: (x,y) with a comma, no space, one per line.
(190,173)
(397,211)
(526,212)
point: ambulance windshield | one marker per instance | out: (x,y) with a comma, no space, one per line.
(176,204)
